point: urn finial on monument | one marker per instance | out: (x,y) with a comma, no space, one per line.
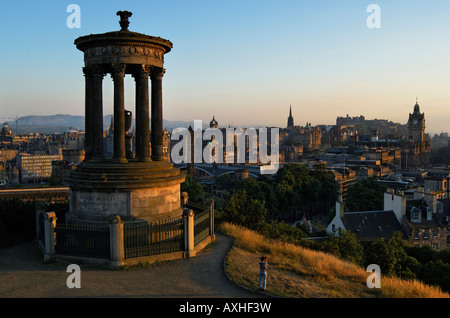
(124,23)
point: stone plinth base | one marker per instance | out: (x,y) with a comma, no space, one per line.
(135,191)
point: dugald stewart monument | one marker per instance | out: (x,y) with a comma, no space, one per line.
(133,186)
(129,208)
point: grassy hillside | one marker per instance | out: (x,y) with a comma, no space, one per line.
(299,272)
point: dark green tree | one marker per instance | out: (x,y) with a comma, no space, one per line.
(344,245)
(436,273)
(444,255)
(307,190)
(245,211)
(225,180)
(53,181)
(260,190)
(285,232)
(380,253)
(423,254)
(391,256)
(193,188)
(365,195)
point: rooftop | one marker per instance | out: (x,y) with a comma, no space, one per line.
(372,225)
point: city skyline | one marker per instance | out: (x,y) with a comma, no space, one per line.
(244,63)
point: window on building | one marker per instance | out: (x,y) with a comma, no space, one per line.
(416,215)
(440,207)
(435,246)
(435,233)
(426,234)
(416,234)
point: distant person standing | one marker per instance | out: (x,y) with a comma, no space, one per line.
(263,265)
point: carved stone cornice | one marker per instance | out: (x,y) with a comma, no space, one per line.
(120,38)
(132,53)
(124,49)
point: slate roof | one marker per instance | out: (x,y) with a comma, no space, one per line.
(437,219)
(372,225)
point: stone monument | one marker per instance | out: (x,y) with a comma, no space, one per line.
(140,186)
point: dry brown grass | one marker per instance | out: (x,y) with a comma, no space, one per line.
(300,272)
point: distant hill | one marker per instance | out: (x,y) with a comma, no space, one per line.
(53,120)
(60,123)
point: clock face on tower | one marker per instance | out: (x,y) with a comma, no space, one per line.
(415,121)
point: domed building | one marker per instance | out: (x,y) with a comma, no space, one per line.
(5,134)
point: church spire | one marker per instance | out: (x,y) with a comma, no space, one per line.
(290,122)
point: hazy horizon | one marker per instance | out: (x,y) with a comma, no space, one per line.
(244,62)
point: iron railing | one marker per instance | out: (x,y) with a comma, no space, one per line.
(82,240)
(202,223)
(146,239)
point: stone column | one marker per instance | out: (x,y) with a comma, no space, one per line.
(97,112)
(118,74)
(142,115)
(88,114)
(156,75)
(136,129)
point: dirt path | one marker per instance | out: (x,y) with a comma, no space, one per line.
(23,274)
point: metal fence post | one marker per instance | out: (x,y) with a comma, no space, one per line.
(211,220)
(188,220)
(116,243)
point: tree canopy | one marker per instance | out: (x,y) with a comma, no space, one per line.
(365,195)
(193,188)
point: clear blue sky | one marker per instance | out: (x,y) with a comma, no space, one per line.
(242,61)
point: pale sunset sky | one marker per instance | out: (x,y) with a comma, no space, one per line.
(243,61)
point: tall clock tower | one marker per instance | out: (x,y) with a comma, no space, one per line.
(416,149)
(416,125)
